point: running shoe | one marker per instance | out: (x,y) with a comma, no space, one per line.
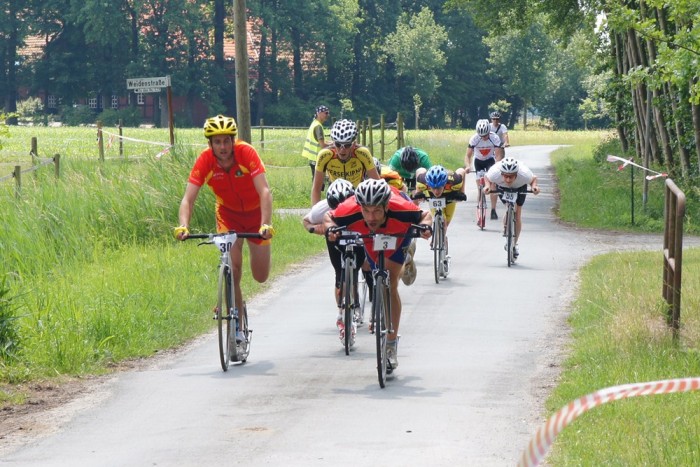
(516,253)
(494,216)
(392,354)
(409,271)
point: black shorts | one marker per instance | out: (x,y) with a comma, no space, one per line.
(483,165)
(521,195)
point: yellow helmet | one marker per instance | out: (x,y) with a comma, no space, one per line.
(220,125)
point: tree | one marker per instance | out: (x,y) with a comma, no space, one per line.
(416,50)
(519,58)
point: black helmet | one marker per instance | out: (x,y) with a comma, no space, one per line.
(409,159)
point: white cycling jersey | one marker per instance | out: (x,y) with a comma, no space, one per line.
(315,216)
(524,176)
(501,131)
(485,148)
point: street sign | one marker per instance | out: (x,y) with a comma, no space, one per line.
(148,83)
(145,90)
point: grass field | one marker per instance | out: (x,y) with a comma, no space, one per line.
(91,275)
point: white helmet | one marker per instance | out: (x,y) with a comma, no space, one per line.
(483,127)
(373,192)
(509,166)
(344,131)
(338,191)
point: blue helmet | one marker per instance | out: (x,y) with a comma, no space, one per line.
(436,176)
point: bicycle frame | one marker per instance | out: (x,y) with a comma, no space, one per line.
(225,313)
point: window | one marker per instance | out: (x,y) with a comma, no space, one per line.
(92,102)
(115,101)
(139,99)
(51,101)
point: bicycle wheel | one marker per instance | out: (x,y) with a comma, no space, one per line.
(380,327)
(224,306)
(437,245)
(481,209)
(348,301)
(510,232)
(363,290)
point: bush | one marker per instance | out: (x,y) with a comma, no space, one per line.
(610,145)
(130,116)
(31,111)
(77,115)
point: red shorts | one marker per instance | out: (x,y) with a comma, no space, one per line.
(244,222)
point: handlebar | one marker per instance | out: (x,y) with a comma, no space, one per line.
(414,231)
(211,236)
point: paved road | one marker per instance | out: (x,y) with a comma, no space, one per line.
(476,360)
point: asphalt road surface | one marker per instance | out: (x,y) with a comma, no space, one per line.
(478,355)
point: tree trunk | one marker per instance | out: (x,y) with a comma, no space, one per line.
(695,109)
(219,28)
(296,63)
(11,63)
(618,51)
(262,73)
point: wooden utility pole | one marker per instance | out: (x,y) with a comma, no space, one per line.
(240,36)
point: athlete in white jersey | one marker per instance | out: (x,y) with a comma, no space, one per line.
(485,149)
(499,128)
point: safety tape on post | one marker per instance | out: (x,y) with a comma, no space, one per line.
(544,437)
(626,162)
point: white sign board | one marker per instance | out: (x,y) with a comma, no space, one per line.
(147,83)
(146,90)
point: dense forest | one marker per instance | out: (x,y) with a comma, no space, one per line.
(575,64)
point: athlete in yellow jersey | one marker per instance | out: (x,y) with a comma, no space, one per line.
(344,159)
(438,182)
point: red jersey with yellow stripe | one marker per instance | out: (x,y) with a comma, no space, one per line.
(401,213)
(234,189)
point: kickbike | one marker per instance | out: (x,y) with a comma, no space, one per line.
(350,243)
(233,346)
(481,200)
(509,196)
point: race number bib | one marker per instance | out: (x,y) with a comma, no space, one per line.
(225,242)
(384,242)
(510,197)
(437,203)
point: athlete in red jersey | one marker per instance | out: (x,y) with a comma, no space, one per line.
(378,208)
(234,172)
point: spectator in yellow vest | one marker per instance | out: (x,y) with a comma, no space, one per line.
(314,137)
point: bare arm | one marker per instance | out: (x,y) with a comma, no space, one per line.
(426,218)
(500,153)
(316,187)
(187,205)
(263,189)
(468,159)
(373,174)
(534,185)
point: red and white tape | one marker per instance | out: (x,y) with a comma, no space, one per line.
(626,162)
(544,437)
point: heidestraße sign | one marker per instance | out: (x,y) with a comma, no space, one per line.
(144,85)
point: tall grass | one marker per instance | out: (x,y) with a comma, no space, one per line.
(620,337)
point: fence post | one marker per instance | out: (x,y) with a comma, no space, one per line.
(34,151)
(100,141)
(18,181)
(674,212)
(399,131)
(262,134)
(121,142)
(370,137)
(381,136)
(56,165)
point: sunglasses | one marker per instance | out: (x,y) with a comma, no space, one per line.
(343,145)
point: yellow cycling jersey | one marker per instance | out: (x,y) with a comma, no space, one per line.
(392,177)
(453,186)
(353,169)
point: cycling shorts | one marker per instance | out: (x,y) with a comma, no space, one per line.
(521,195)
(484,165)
(246,221)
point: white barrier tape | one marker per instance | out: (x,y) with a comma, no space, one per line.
(626,162)
(545,435)
(126,138)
